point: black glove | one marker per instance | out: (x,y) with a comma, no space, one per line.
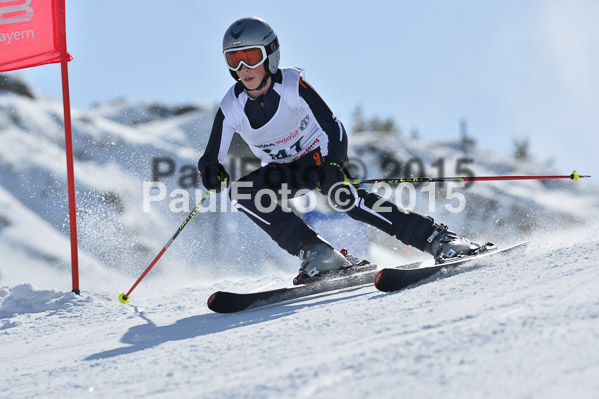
(341,195)
(331,173)
(214,176)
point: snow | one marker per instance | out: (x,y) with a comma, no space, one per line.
(523,327)
(25,299)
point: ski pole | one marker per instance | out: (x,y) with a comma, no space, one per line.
(124,298)
(574,177)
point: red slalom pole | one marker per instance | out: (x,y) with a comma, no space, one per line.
(574,177)
(70,176)
(124,298)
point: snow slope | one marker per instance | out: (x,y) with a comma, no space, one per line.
(520,328)
(34,251)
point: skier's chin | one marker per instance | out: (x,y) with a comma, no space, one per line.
(250,84)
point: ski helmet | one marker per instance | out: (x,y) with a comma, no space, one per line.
(252,32)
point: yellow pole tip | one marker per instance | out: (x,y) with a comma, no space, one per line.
(123,298)
(575,176)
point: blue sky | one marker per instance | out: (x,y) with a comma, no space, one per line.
(512,69)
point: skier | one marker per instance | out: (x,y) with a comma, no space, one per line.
(301,145)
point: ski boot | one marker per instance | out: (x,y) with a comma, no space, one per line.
(320,259)
(444,244)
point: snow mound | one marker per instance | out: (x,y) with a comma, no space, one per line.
(24,298)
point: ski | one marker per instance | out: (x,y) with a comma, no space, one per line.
(391,279)
(230,302)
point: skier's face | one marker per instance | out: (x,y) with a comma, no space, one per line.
(251,78)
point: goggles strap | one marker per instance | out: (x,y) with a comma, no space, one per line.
(272,46)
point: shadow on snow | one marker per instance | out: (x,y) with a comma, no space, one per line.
(149,335)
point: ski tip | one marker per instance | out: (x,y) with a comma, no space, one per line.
(381,281)
(229,302)
(378,277)
(123,298)
(211,300)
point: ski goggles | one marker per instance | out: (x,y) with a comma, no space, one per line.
(251,56)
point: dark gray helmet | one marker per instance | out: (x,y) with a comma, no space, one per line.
(253,31)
